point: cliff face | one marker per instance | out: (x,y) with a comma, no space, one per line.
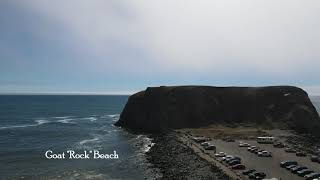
(160,108)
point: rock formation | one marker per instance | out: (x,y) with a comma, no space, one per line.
(161,108)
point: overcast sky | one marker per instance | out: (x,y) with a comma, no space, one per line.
(101,46)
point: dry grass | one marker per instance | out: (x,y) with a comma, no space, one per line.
(226,132)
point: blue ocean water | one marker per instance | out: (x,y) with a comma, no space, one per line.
(31,125)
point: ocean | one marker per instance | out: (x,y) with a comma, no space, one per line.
(32,125)
(316,102)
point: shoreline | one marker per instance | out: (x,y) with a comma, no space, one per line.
(178,161)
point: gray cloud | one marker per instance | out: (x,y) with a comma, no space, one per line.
(274,39)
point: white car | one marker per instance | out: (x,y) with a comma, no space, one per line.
(264,154)
(227,157)
(244,145)
(251,147)
(220,154)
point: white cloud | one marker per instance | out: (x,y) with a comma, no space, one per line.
(270,37)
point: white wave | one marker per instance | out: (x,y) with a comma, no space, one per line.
(147,144)
(17,126)
(66,121)
(90,118)
(89,141)
(41,121)
(144,142)
(113,115)
(38,122)
(61,117)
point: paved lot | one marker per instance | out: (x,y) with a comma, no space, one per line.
(270,166)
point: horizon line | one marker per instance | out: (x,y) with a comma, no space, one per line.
(69,93)
(85,93)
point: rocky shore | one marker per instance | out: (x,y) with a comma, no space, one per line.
(177,161)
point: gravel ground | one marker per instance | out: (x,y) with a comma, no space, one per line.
(177,161)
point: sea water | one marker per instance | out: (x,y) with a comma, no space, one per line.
(32,125)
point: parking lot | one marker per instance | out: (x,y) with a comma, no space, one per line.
(268,165)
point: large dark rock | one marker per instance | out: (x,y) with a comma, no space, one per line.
(161,108)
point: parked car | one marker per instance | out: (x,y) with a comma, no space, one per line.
(314,158)
(204,144)
(254,149)
(297,168)
(227,157)
(290,150)
(232,159)
(210,147)
(251,147)
(199,139)
(301,154)
(220,154)
(258,151)
(244,145)
(257,175)
(290,166)
(304,172)
(230,140)
(265,154)
(278,145)
(247,172)
(287,163)
(234,162)
(238,167)
(312,176)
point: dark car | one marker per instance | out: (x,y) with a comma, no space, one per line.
(234,162)
(290,150)
(278,145)
(257,175)
(301,154)
(312,176)
(239,167)
(297,168)
(314,158)
(254,149)
(247,172)
(230,140)
(210,147)
(287,163)
(233,158)
(304,172)
(199,139)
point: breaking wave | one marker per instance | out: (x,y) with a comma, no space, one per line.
(37,123)
(89,140)
(66,121)
(90,118)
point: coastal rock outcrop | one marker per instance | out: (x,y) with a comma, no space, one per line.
(161,108)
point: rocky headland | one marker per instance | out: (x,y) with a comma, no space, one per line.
(158,109)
